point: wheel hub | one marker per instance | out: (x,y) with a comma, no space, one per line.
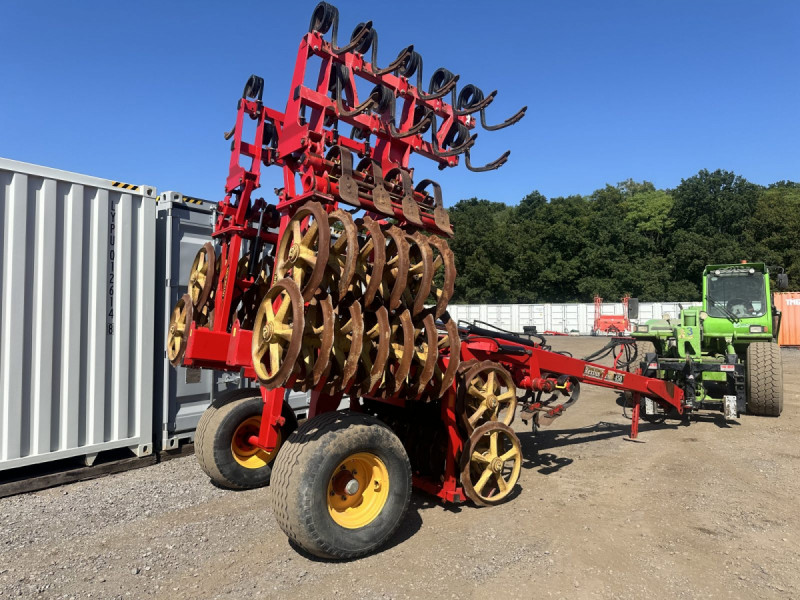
(267,332)
(294,254)
(246,454)
(492,402)
(344,484)
(351,487)
(497,465)
(358,490)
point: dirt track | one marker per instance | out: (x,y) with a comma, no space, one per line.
(709,510)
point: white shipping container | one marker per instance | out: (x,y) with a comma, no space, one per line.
(562,318)
(532,315)
(502,316)
(76,320)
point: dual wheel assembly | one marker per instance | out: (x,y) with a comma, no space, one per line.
(341,482)
(352,306)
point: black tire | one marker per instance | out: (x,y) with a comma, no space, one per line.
(643,348)
(214,438)
(305,468)
(201,436)
(764,379)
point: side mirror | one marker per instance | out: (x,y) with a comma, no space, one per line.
(633,308)
(782,281)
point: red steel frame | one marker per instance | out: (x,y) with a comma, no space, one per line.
(297,144)
(536,369)
(299,147)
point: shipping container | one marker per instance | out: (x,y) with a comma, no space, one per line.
(181,394)
(573,318)
(789,305)
(77,307)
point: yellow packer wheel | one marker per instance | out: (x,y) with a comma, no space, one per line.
(342,485)
(178,333)
(486,393)
(490,463)
(278,334)
(222,442)
(201,276)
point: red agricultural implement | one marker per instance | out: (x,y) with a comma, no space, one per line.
(341,287)
(611,324)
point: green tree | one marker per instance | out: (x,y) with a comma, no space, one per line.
(714,203)
(629,238)
(773,231)
(651,214)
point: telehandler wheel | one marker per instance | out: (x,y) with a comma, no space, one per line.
(221,441)
(341,486)
(643,348)
(764,379)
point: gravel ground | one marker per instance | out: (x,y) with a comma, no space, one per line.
(709,510)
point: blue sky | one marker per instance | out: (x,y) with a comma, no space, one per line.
(652,90)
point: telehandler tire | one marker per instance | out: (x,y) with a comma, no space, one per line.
(341,485)
(764,379)
(642,348)
(221,440)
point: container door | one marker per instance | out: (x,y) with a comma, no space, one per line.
(789,305)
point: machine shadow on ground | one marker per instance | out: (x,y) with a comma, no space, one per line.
(535,444)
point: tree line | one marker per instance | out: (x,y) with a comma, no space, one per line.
(626,239)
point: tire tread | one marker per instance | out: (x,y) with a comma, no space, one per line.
(764,379)
(298,463)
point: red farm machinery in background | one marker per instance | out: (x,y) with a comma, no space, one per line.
(614,324)
(340,288)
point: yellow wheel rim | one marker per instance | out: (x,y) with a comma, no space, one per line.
(244,453)
(358,490)
(494,465)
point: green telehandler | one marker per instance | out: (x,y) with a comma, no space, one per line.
(723,354)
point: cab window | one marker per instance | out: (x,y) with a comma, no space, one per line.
(739,292)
